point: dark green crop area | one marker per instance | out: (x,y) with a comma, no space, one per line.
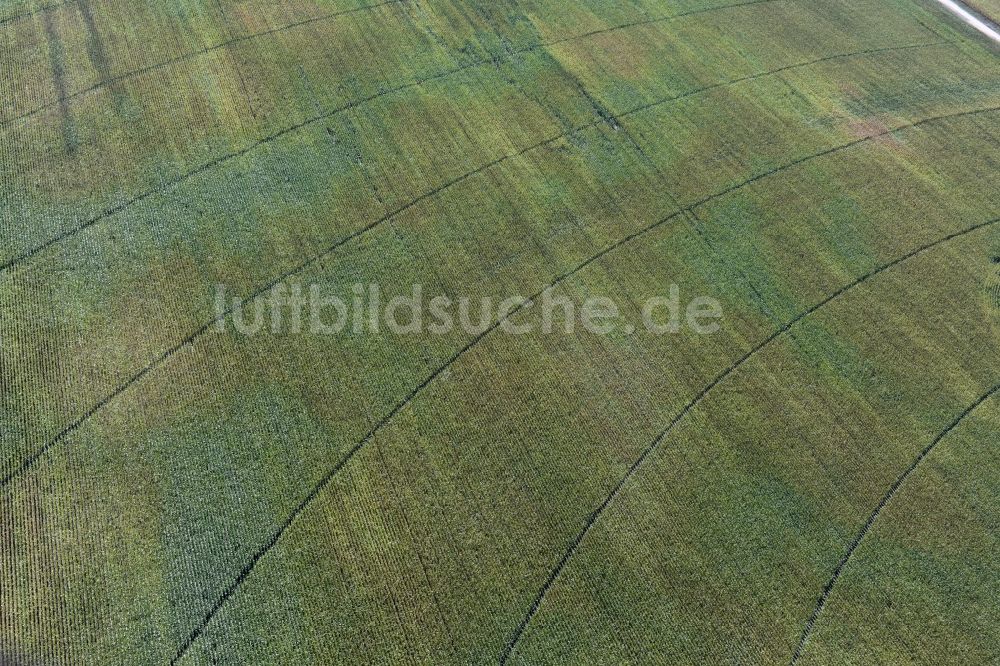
(818,482)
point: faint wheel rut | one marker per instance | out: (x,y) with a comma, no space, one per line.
(318,258)
(223,159)
(889,496)
(328,478)
(694,403)
(191,339)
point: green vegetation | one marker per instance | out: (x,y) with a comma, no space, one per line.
(826,169)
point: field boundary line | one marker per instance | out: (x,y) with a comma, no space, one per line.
(222,159)
(889,496)
(693,404)
(351,453)
(302,267)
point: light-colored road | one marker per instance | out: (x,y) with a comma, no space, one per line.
(981,24)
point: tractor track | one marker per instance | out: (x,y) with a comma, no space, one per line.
(112,80)
(108,80)
(312,120)
(189,341)
(893,490)
(693,404)
(351,453)
(63,102)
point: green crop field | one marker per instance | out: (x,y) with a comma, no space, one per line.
(816,482)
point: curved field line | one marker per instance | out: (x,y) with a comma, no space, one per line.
(893,490)
(318,19)
(174,182)
(169,62)
(690,406)
(527,303)
(30,461)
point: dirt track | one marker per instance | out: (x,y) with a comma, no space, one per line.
(980,23)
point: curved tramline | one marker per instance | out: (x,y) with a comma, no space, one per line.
(320,117)
(225,45)
(595,515)
(186,480)
(317,258)
(693,404)
(810,625)
(70,98)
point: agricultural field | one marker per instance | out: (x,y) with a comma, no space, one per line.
(816,481)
